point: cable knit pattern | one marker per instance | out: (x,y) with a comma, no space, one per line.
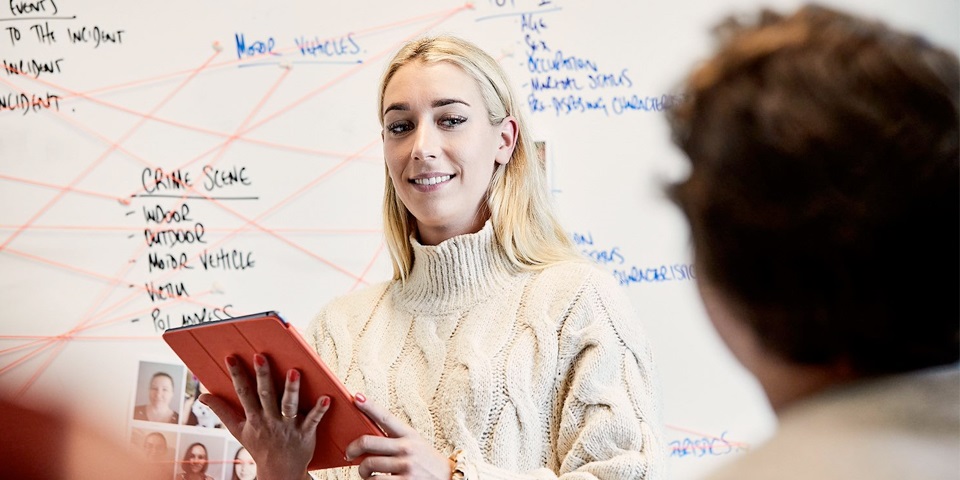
(532,375)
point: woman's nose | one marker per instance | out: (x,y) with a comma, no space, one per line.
(425,144)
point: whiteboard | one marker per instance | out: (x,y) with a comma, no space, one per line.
(267,110)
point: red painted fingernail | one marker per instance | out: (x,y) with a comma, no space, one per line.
(259,359)
(231,362)
(293,376)
(360,398)
(325,402)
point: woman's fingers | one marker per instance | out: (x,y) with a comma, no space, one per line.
(404,454)
(373,445)
(371,465)
(290,401)
(313,417)
(263,400)
(265,388)
(390,424)
(281,445)
(241,383)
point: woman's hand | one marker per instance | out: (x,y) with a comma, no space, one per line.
(405,453)
(280,442)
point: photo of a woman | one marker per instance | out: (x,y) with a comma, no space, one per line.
(194,463)
(155,396)
(243,466)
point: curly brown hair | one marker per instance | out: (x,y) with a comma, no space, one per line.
(823,196)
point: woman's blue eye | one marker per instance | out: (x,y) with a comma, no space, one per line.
(452,121)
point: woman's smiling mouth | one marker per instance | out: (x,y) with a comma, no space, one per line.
(431,180)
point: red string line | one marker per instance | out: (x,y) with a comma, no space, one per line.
(102,157)
(55,200)
(60,341)
(366,270)
(124,228)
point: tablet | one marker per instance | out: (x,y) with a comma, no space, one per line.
(203,348)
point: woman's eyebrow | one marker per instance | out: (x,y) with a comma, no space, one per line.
(442,102)
(396,106)
(447,101)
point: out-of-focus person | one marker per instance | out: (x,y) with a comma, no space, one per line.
(824,206)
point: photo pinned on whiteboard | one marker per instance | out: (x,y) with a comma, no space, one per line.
(544,156)
(157,448)
(195,413)
(242,467)
(175,435)
(158,393)
(201,456)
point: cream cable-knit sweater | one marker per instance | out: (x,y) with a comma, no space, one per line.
(530,374)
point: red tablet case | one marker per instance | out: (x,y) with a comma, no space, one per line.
(203,348)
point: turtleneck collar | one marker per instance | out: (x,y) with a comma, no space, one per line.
(455,274)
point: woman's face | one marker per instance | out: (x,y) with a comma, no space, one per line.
(196,459)
(245,468)
(161,391)
(155,447)
(440,148)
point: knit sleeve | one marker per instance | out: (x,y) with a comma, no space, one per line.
(610,425)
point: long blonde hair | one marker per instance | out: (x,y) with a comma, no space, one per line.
(521,211)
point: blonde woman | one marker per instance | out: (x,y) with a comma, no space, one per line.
(495,351)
